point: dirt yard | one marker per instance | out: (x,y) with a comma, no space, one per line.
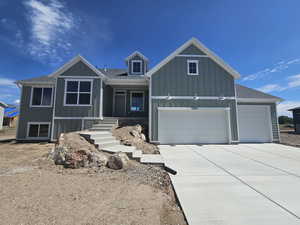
(8,133)
(34,191)
(290,138)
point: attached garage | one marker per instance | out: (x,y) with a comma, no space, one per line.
(254,123)
(178,125)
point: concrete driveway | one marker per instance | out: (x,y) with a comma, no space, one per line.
(245,184)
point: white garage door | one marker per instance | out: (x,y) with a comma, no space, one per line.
(254,123)
(190,126)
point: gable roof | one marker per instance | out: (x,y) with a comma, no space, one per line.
(38,80)
(134,54)
(3,104)
(72,62)
(202,47)
(247,94)
(296,108)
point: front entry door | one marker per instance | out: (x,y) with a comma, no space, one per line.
(120,103)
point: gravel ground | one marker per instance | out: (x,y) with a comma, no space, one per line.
(33,191)
(290,138)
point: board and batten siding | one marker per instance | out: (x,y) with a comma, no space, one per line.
(172,79)
(79,69)
(31,114)
(194,104)
(137,57)
(77,111)
(274,120)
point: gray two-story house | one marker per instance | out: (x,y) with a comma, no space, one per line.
(189,97)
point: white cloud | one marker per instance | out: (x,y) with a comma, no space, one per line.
(17,101)
(282,108)
(7,82)
(294,81)
(270,88)
(50,25)
(278,67)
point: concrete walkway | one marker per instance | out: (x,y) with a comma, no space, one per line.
(242,184)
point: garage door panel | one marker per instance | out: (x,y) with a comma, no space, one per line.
(254,123)
(193,126)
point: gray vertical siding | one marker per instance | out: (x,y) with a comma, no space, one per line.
(64,126)
(192,50)
(144,64)
(192,103)
(79,69)
(31,114)
(276,135)
(77,111)
(172,79)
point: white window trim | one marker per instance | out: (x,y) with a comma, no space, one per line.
(141,67)
(41,106)
(38,123)
(78,92)
(188,67)
(143,107)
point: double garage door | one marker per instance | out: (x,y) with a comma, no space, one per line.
(178,125)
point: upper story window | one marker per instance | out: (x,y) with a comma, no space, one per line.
(41,97)
(78,92)
(136,67)
(192,67)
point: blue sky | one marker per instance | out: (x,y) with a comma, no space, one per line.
(260,39)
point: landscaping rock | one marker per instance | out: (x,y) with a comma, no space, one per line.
(138,128)
(73,151)
(135,133)
(118,161)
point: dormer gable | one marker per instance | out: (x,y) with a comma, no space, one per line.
(137,64)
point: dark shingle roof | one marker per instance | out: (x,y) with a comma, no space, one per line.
(296,108)
(245,92)
(119,74)
(41,79)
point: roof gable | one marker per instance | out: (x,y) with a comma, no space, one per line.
(202,48)
(136,53)
(74,61)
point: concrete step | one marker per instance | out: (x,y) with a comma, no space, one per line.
(102,125)
(103,138)
(154,159)
(101,134)
(100,129)
(137,155)
(128,150)
(104,144)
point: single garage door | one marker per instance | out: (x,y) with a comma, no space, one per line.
(254,123)
(191,126)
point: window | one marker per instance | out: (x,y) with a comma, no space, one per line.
(137,101)
(136,66)
(78,92)
(192,67)
(38,130)
(41,96)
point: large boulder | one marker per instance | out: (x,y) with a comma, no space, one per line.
(118,161)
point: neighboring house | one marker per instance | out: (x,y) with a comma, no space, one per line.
(189,97)
(296,119)
(11,114)
(2,108)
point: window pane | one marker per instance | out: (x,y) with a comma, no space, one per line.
(136,67)
(71,98)
(192,67)
(137,101)
(44,130)
(37,96)
(85,86)
(72,86)
(47,95)
(84,99)
(33,130)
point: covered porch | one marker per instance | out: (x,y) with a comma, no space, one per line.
(125,101)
